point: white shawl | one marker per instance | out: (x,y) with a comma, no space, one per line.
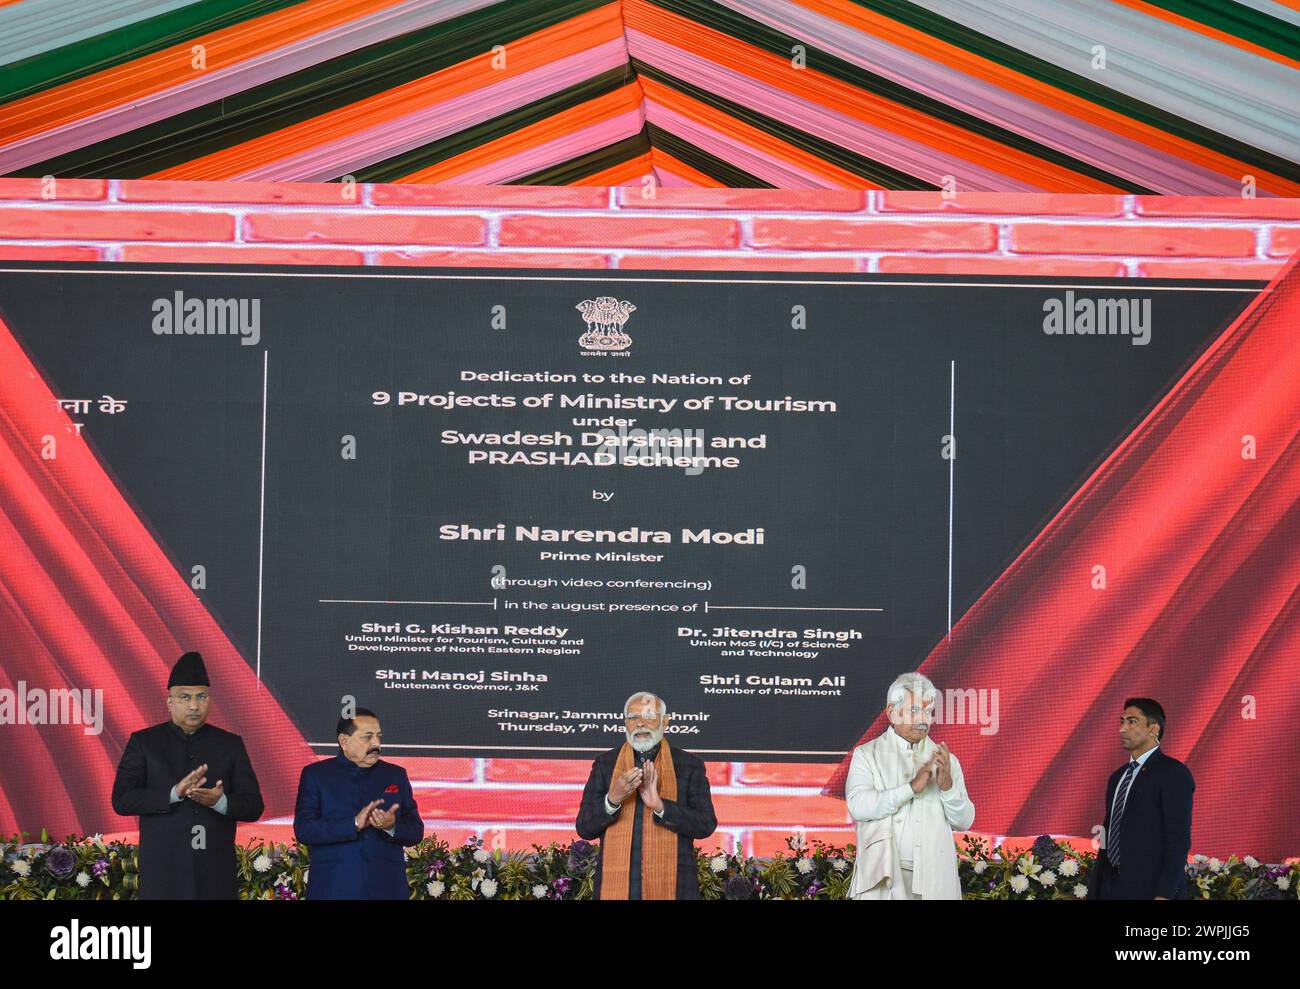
(879,769)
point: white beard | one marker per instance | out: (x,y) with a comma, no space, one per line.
(645,745)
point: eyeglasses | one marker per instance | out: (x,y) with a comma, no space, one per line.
(650,719)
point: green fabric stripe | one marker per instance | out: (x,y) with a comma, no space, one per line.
(761,36)
(589,164)
(311,92)
(961,36)
(400,166)
(1246,23)
(866,168)
(715,168)
(82,58)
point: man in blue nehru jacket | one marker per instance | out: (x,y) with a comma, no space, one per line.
(357,813)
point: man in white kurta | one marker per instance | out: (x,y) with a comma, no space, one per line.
(908,796)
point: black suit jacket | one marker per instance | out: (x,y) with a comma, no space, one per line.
(155,760)
(690,816)
(1155,833)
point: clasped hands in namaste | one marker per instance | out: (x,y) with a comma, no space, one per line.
(192,786)
(939,765)
(373,815)
(645,779)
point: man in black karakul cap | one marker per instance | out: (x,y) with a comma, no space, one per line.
(187,828)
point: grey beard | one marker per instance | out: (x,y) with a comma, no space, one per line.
(647,745)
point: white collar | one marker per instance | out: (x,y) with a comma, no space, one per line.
(1144,756)
(903,744)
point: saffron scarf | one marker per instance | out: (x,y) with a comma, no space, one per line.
(658,844)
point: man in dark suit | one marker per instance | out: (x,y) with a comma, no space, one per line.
(187,829)
(357,813)
(647,802)
(1148,825)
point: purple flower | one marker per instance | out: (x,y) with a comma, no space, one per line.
(738,888)
(814,889)
(100,867)
(437,866)
(582,857)
(1048,852)
(60,862)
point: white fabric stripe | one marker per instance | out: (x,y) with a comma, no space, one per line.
(430,123)
(37,26)
(1118,155)
(202,89)
(1277,10)
(924,161)
(1236,93)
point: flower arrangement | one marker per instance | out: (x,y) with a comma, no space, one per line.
(91,869)
(74,869)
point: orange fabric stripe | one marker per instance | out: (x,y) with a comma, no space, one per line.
(156,73)
(1048,95)
(1151,10)
(748,134)
(527,53)
(625,173)
(575,118)
(851,101)
(630,172)
(681,169)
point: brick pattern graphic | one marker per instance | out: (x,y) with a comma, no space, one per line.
(513,803)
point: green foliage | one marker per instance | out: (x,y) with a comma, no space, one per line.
(92,869)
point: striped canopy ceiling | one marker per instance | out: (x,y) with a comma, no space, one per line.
(1165,96)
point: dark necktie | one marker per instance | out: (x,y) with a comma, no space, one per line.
(1121,798)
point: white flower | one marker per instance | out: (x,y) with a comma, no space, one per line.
(1069,868)
(1251,862)
(1047,877)
(488,887)
(1199,859)
(980,867)
(481,855)
(804,866)
(839,865)
(1283,882)
(281,880)
(262,863)
(1019,883)
(798,842)
(539,891)
(718,863)
(23,868)
(83,879)
(1081,891)
(435,888)
(1215,865)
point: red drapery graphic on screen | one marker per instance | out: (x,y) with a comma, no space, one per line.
(1201,610)
(88,600)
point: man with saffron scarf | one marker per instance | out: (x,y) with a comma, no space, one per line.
(647,802)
